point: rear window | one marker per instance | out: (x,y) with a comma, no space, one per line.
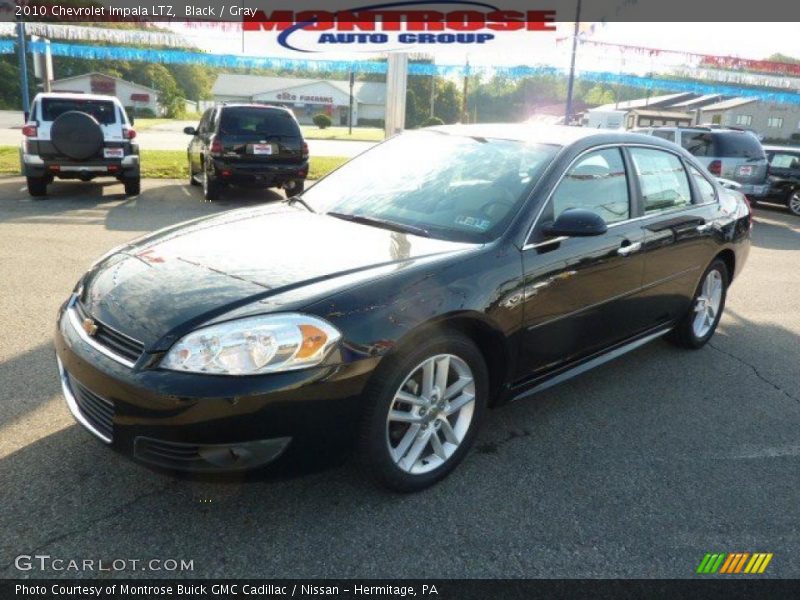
(738,145)
(102,110)
(260,122)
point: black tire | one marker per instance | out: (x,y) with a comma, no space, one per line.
(133,186)
(192,179)
(373,443)
(77,135)
(211,187)
(684,334)
(294,187)
(793,202)
(37,186)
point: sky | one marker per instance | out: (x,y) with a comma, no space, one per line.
(748,40)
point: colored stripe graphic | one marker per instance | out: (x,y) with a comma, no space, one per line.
(734,563)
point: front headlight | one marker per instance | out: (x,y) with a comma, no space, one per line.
(265,344)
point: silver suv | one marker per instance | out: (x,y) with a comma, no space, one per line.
(731,154)
(78,136)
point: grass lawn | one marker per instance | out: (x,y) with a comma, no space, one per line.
(169,164)
(361,134)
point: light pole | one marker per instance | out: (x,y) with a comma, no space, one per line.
(571,81)
(23,67)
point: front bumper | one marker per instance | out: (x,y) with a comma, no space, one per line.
(194,422)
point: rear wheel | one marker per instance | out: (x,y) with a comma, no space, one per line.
(294,187)
(794,202)
(37,186)
(700,323)
(133,186)
(425,406)
(211,187)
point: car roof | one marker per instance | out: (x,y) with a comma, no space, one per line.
(795,149)
(560,135)
(253,105)
(76,96)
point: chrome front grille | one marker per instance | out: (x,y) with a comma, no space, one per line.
(111,342)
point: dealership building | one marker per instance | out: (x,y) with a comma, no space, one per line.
(131,95)
(306,97)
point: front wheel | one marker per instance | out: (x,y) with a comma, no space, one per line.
(700,323)
(794,202)
(424,409)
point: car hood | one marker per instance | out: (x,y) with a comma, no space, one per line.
(281,258)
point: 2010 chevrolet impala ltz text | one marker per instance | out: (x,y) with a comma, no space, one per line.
(440,273)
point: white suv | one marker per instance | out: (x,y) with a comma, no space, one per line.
(78,136)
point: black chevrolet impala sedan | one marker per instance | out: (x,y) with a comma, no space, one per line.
(439,274)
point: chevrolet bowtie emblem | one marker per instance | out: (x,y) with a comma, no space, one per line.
(89,326)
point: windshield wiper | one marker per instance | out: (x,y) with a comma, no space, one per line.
(292,199)
(384,223)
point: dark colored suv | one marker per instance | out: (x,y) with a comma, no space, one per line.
(247,144)
(784,176)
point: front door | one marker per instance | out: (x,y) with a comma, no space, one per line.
(579,291)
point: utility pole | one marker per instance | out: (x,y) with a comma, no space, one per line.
(465,93)
(396,86)
(571,81)
(350,117)
(433,94)
(23,68)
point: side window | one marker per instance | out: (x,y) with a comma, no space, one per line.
(707,191)
(666,135)
(785,161)
(663,181)
(697,143)
(597,182)
(203,126)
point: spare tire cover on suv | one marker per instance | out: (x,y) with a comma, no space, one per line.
(77,135)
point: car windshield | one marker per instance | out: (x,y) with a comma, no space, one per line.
(258,122)
(447,186)
(102,110)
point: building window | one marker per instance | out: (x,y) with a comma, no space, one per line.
(744,120)
(776,122)
(716,119)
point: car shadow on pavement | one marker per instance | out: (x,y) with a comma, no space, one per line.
(554,487)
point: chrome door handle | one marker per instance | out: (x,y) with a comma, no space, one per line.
(629,249)
(703,228)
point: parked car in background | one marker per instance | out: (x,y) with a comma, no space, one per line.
(732,154)
(437,274)
(784,176)
(247,144)
(78,136)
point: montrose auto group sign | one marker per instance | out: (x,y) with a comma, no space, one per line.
(396,25)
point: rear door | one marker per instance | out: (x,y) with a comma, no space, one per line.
(679,210)
(105,112)
(579,292)
(743,157)
(259,134)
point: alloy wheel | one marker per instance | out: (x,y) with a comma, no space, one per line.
(794,203)
(707,304)
(430,414)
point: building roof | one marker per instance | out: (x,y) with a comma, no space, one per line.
(730,103)
(662,113)
(698,102)
(234,84)
(82,75)
(651,102)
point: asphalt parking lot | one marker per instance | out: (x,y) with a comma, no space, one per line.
(634,470)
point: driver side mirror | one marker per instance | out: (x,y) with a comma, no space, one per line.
(189,131)
(576,222)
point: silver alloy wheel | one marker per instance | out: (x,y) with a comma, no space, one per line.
(707,304)
(794,203)
(430,414)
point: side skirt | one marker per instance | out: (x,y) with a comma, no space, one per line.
(563,375)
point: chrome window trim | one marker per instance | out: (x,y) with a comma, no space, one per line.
(74,320)
(528,246)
